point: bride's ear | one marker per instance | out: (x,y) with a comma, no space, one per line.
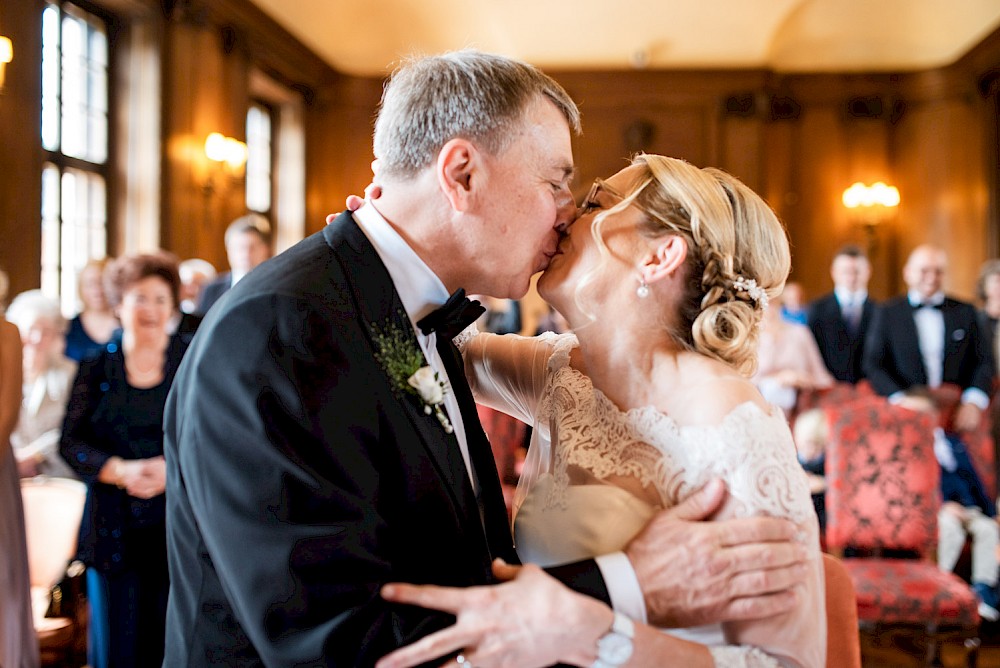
(667,258)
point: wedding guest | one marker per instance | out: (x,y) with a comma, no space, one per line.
(113,439)
(18,644)
(925,338)
(48,376)
(839,320)
(195,273)
(247,245)
(94,326)
(793,303)
(789,360)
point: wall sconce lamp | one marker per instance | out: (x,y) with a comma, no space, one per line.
(225,154)
(6,55)
(871,206)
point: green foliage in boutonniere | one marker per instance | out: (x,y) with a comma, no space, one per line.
(400,355)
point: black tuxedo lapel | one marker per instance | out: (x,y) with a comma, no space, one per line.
(379,305)
(906,346)
(491,494)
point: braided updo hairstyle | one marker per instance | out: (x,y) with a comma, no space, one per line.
(731,232)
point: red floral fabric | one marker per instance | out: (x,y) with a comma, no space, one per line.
(978,443)
(882,478)
(907,591)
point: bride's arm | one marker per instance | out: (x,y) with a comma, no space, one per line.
(764,478)
(507,372)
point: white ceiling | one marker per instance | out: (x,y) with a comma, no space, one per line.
(367,37)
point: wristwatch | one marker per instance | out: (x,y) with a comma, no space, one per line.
(614,648)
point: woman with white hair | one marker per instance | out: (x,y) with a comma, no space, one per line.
(48,377)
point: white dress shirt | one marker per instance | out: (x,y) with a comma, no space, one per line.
(421,291)
(851,304)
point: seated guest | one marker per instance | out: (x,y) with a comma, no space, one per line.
(788,360)
(840,319)
(966,511)
(96,323)
(48,376)
(810,433)
(113,439)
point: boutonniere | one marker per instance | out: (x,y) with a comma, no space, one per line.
(400,355)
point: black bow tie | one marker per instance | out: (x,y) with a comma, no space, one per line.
(454,316)
(937,305)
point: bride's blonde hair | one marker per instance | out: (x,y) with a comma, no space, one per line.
(731,233)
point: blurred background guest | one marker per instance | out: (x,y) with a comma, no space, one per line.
(552,321)
(96,322)
(793,303)
(988,291)
(788,360)
(839,320)
(248,244)
(195,273)
(113,439)
(48,376)
(18,645)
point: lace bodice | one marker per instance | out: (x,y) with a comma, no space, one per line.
(595,474)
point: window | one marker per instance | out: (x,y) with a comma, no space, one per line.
(74,136)
(259,159)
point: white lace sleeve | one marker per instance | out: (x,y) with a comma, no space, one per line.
(730,656)
(507,372)
(754,453)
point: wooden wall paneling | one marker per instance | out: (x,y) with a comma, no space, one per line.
(206,89)
(939,148)
(20,153)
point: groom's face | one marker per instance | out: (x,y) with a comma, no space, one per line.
(529,204)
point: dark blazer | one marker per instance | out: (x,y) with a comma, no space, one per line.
(892,360)
(210,292)
(300,478)
(842,350)
(95,429)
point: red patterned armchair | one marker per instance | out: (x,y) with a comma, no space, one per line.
(883,495)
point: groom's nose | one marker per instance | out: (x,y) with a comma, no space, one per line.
(565,210)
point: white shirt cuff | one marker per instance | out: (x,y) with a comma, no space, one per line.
(896,397)
(976,397)
(623,585)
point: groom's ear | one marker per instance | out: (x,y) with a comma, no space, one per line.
(456,166)
(667,258)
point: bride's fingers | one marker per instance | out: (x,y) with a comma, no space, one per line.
(444,642)
(354,202)
(504,571)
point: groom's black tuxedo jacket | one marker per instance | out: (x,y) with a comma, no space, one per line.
(892,359)
(300,478)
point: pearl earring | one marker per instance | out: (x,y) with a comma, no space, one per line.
(643,290)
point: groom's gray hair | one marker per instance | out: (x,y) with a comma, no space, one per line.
(470,94)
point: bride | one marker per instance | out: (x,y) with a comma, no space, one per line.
(664,278)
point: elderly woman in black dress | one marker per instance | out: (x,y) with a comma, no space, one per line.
(113,439)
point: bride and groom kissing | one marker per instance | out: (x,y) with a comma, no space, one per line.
(306,471)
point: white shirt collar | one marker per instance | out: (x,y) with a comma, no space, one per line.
(848,298)
(916,298)
(419,288)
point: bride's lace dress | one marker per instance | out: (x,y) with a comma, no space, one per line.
(595,475)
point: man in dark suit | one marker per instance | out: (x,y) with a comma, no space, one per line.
(840,319)
(926,339)
(303,471)
(247,245)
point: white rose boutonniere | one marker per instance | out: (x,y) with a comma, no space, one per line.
(400,356)
(431,389)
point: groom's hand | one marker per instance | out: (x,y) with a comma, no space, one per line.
(693,572)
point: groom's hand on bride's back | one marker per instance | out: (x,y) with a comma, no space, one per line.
(693,572)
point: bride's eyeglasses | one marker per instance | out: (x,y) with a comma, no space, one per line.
(590,202)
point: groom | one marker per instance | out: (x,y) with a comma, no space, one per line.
(308,464)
